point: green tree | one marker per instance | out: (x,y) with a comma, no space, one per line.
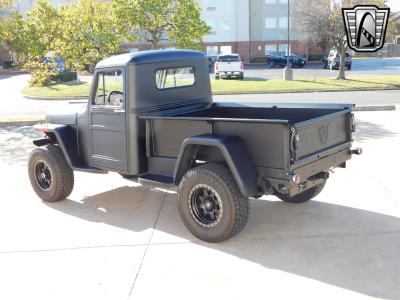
(38,33)
(156,21)
(325,22)
(89,33)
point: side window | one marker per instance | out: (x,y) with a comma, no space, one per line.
(110,88)
(174,77)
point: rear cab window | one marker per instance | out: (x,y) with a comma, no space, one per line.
(174,78)
(228,58)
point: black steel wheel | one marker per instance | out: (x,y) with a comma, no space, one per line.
(210,203)
(42,175)
(50,175)
(304,196)
(205,205)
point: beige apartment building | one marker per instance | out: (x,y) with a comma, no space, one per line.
(250,28)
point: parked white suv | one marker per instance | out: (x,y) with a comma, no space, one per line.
(228,66)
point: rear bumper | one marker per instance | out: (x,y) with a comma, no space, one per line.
(307,171)
(337,64)
(230,73)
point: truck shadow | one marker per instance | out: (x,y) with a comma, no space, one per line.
(366,130)
(342,246)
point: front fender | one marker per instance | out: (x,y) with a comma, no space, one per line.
(235,154)
(65,136)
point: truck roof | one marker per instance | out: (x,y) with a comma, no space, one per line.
(152,56)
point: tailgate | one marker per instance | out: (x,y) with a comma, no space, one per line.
(318,135)
(229,66)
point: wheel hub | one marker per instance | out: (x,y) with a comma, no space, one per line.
(43,175)
(205,205)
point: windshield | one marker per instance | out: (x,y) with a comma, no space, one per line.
(228,58)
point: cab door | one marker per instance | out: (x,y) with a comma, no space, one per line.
(107,120)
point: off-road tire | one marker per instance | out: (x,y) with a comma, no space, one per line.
(304,196)
(216,77)
(349,68)
(235,207)
(62,176)
(271,64)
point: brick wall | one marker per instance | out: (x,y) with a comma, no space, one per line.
(243,48)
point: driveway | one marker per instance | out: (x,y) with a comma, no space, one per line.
(114,239)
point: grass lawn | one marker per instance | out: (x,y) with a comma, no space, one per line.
(245,86)
(59,90)
(305,84)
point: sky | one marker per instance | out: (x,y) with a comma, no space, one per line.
(394,5)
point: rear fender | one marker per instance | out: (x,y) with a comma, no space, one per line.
(233,151)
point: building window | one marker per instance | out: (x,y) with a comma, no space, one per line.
(283,1)
(270,1)
(270,23)
(283,22)
(226,49)
(270,48)
(225,25)
(212,50)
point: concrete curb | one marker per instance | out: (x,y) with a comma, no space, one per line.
(21,120)
(56,98)
(11,72)
(375,108)
(19,123)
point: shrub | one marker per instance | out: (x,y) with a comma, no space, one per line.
(259,59)
(42,72)
(315,57)
(65,76)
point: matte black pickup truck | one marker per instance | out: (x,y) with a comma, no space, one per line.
(151,118)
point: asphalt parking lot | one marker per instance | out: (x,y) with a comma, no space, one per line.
(372,67)
(114,239)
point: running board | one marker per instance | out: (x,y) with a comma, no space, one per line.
(156,180)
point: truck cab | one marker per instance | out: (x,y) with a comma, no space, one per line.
(150,117)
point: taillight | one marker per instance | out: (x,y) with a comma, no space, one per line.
(294,178)
(241,66)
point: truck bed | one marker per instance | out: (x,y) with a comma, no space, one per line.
(280,138)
